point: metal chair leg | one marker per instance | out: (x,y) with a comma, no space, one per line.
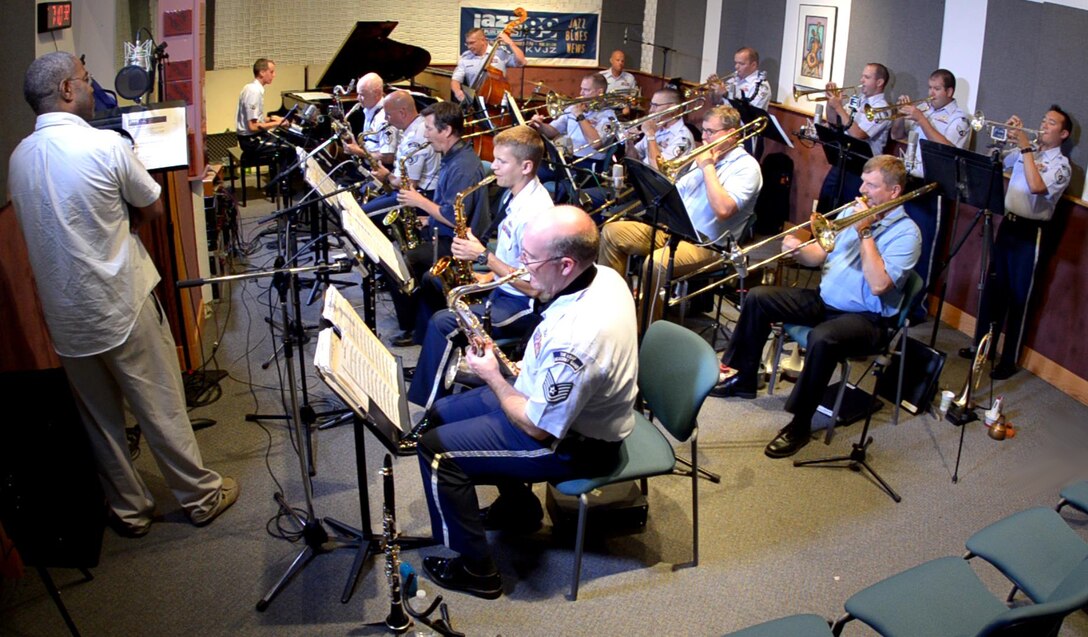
(579,545)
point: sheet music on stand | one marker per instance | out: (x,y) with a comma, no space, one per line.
(356,365)
(362,232)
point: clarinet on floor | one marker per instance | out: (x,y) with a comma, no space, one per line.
(397,620)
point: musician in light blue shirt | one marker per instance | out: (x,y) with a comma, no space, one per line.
(508,55)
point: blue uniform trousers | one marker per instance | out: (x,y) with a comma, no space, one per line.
(472,443)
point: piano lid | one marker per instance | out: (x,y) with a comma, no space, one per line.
(368,49)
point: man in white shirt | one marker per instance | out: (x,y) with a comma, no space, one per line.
(617,78)
(251,120)
(662,138)
(470,64)
(379,136)
(79,194)
(747,84)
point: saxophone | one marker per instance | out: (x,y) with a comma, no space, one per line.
(402,221)
(478,338)
(397,620)
(457,272)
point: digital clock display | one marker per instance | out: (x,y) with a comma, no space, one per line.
(53,16)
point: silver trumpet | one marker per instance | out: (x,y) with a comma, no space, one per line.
(478,338)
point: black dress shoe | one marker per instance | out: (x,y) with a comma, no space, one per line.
(450,573)
(967,352)
(404,339)
(732,387)
(523,517)
(1002,371)
(787,443)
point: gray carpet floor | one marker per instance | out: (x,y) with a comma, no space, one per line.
(775,539)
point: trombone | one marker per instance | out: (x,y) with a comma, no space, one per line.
(999,131)
(612,129)
(891,111)
(824,232)
(625,98)
(808,94)
(672,168)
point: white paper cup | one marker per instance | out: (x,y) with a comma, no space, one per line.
(946,399)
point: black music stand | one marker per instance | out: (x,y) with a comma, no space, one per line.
(845,153)
(773,131)
(975,180)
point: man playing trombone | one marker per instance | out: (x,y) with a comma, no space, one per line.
(668,138)
(588,129)
(719,194)
(859,295)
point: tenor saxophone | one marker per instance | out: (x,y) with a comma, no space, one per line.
(469,324)
(406,228)
(457,272)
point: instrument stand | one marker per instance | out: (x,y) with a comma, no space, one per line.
(857,459)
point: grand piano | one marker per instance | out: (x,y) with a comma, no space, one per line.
(368,48)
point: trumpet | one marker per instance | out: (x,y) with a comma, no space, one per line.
(891,111)
(824,232)
(713,84)
(625,98)
(999,131)
(673,167)
(808,93)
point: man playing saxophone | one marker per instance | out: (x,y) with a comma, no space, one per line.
(719,194)
(460,169)
(564,417)
(518,152)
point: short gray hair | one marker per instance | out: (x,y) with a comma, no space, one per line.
(41,86)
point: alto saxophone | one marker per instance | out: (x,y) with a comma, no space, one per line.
(469,324)
(403,221)
(457,272)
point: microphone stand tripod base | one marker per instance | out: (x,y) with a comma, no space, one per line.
(960,416)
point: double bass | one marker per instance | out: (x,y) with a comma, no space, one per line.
(490,86)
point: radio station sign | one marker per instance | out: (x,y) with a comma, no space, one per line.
(546,37)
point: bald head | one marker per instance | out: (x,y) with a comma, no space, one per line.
(568,231)
(369,88)
(400,109)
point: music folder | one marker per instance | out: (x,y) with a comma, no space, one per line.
(659,195)
(773,131)
(981,176)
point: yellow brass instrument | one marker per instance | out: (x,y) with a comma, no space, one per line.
(809,94)
(964,402)
(469,324)
(713,84)
(999,131)
(891,111)
(457,272)
(824,232)
(672,168)
(625,98)
(402,221)
(631,129)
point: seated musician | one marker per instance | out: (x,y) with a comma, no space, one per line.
(856,304)
(1040,174)
(719,194)
(470,64)
(518,152)
(380,138)
(251,120)
(564,417)
(421,165)
(617,78)
(941,121)
(661,139)
(586,128)
(747,83)
(850,114)
(460,168)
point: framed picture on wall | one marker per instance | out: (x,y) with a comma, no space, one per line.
(815,45)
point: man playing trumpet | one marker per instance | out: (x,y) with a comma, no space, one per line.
(719,194)
(747,83)
(859,296)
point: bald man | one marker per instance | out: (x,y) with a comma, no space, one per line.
(564,417)
(617,78)
(380,140)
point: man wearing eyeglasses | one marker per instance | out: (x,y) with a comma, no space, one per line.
(661,138)
(719,192)
(79,194)
(563,417)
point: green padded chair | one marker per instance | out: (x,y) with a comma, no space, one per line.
(677,370)
(1075,495)
(1035,549)
(945,597)
(792,626)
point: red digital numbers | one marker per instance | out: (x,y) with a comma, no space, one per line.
(54,15)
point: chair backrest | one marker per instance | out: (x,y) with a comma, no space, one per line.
(1044,618)
(912,295)
(676,371)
